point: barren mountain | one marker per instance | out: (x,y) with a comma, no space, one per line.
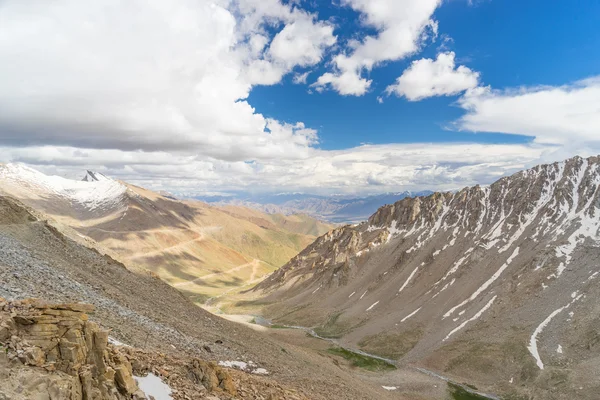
(496,286)
(49,350)
(203,250)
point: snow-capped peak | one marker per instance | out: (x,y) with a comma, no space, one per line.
(95,192)
(91,176)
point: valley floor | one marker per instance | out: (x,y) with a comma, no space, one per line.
(402,382)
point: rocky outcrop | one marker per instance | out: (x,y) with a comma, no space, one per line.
(71,353)
(53,352)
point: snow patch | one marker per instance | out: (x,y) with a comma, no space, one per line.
(115,342)
(486,285)
(411,314)
(475,317)
(533,347)
(457,265)
(408,280)
(249,366)
(153,386)
(593,276)
(393,231)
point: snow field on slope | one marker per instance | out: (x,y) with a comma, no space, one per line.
(92,195)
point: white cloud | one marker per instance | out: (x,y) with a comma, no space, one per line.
(155,92)
(300,79)
(152,75)
(428,78)
(559,115)
(402,25)
(302,43)
(365,169)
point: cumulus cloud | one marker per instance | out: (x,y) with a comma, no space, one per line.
(443,166)
(155,93)
(153,75)
(427,78)
(550,114)
(401,25)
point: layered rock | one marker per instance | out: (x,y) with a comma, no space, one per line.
(60,339)
(53,352)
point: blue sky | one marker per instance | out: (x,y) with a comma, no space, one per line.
(511,43)
(324,97)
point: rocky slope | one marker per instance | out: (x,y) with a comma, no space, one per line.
(204,250)
(38,261)
(493,285)
(52,351)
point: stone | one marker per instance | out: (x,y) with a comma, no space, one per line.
(139,395)
(100,341)
(33,356)
(4,333)
(23,320)
(68,350)
(124,380)
(207,374)
(225,382)
(85,377)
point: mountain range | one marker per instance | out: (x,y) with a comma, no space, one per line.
(497,286)
(482,293)
(335,209)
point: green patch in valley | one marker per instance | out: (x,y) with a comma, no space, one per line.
(251,303)
(362,361)
(459,393)
(332,329)
(277,326)
(197,298)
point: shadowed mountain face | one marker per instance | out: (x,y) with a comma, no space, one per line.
(497,285)
(202,250)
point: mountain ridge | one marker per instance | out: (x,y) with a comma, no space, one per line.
(425,275)
(181,241)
